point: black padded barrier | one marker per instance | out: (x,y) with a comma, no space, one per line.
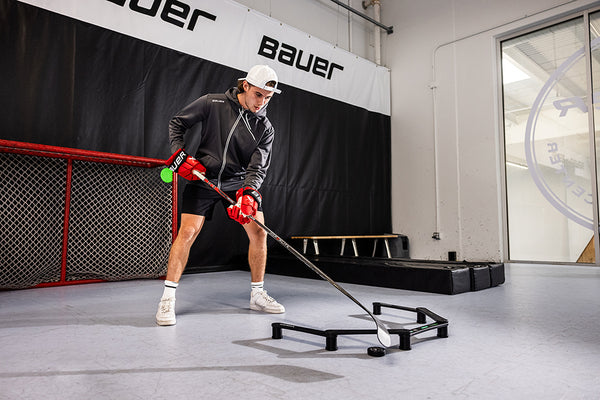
(442,277)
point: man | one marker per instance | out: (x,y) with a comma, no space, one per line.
(234,153)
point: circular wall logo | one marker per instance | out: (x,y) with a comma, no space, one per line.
(565,186)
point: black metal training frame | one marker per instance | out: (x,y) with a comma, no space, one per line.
(439,323)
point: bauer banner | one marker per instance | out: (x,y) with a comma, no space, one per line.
(231,34)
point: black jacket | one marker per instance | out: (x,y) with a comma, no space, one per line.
(235,144)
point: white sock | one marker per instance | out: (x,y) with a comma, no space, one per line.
(169,291)
(257,286)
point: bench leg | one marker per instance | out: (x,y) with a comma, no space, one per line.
(304,244)
(316,246)
(343,247)
(354,246)
(387,248)
(374,247)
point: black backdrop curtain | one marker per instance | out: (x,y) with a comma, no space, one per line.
(68,83)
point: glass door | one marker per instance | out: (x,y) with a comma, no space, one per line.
(549,152)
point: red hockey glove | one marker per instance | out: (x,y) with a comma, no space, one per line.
(184,164)
(248,201)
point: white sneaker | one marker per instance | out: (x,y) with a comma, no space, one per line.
(261,301)
(166,312)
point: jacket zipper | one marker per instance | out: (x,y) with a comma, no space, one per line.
(245,119)
(237,120)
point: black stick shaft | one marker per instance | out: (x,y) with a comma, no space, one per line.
(382,333)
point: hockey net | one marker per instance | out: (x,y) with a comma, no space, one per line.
(73,216)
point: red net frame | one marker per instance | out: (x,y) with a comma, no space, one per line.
(71,216)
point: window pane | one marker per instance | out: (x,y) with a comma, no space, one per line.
(595,66)
(549,197)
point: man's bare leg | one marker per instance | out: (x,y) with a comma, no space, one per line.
(257,260)
(257,249)
(180,250)
(190,227)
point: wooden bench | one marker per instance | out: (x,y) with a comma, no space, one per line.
(376,238)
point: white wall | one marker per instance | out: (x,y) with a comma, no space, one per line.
(465,202)
(469,188)
(325,20)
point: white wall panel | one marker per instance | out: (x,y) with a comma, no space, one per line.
(469,187)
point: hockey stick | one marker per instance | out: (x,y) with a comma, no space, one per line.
(382,333)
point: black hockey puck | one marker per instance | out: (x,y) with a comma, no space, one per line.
(376,351)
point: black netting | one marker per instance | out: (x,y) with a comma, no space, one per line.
(120,222)
(32,207)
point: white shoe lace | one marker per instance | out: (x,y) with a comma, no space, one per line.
(165,305)
(266,297)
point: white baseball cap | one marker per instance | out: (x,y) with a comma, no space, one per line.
(260,75)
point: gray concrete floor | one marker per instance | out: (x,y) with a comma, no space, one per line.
(535,337)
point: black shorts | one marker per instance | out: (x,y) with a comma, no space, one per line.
(201,200)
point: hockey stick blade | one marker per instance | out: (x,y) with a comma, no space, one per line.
(383,335)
